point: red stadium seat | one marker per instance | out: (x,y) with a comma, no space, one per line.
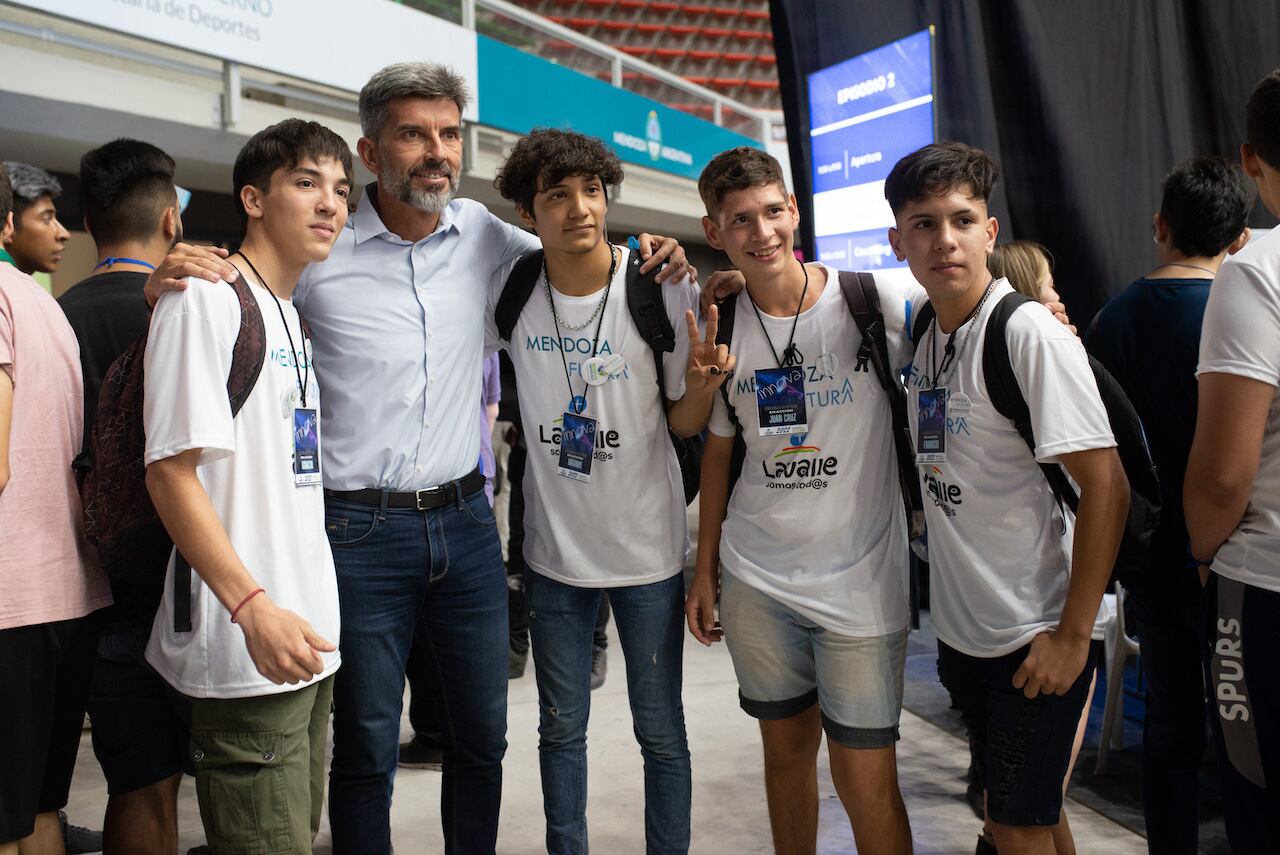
(650,28)
(696,10)
(635,50)
(669,53)
(682,29)
(727,82)
(762,84)
(664,7)
(704,54)
(737,57)
(767,59)
(716,33)
(725,12)
(751,34)
(755,14)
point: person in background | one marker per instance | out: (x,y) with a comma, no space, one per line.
(51,589)
(37,239)
(1148,337)
(1029,268)
(141,728)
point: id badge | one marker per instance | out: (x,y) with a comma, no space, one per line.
(780,400)
(306,447)
(931,424)
(577,447)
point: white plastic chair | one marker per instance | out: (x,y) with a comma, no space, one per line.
(1118,647)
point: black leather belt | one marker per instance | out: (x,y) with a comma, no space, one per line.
(422,500)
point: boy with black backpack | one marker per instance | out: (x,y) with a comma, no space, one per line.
(249,621)
(810,552)
(1016,576)
(602,375)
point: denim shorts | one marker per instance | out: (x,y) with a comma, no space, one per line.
(785,663)
(1022,746)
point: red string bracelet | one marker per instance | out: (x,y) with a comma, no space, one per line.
(255,592)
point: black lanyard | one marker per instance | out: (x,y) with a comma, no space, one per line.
(595,339)
(302,383)
(791,355)
(950,353)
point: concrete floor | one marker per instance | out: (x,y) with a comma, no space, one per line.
(729,813)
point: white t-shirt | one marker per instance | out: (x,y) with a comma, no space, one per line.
(999,544)
(246,467)
(627,525)
(1241,336)
(816,520)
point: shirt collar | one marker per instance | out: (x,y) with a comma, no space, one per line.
(367,222)
(6,258)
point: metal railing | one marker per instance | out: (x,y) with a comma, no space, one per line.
(726,112)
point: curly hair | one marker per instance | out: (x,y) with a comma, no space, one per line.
(546,156)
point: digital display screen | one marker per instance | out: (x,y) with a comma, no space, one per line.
(864,115)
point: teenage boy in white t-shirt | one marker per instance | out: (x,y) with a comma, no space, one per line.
(604,505)
(1231,498)
(810,552)
(242,500)
(1015,580)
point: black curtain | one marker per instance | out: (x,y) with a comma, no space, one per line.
(1085,104)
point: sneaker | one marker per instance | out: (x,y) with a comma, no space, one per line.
(516,662)
(78,839)
(419,753)
(599,667)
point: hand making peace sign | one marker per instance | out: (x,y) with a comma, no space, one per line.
(710,364)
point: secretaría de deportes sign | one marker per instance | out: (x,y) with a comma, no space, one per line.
(332,42)
(640,130)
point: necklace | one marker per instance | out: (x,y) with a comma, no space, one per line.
(1212,273)
(791,355)
(613,266)
(951,353)
(578,403)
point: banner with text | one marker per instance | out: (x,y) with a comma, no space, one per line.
(332,42)
(640,130)
(864,115)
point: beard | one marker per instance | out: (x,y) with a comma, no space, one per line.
(400,185)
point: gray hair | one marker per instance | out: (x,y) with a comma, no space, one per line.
(409,80)
(29,184)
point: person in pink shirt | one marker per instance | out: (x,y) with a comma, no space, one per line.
(47,586)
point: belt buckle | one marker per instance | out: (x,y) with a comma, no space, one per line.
(426,494)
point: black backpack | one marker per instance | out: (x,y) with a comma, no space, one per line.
(860,295)
(1131,440)
(644,302)
(119,519)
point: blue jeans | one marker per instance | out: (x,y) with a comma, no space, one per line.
(442,570)
(650,622)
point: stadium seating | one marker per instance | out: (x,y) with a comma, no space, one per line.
(724,45)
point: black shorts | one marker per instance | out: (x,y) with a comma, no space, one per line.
(1243,676)
(45,670)
(141,726)
(1022,747)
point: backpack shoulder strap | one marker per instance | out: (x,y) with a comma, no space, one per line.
(860,294)
(649,314)
(247,357)
(1006,394)
(727,309)
(250,349)
(515,293)
(920,323)
(863,300)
